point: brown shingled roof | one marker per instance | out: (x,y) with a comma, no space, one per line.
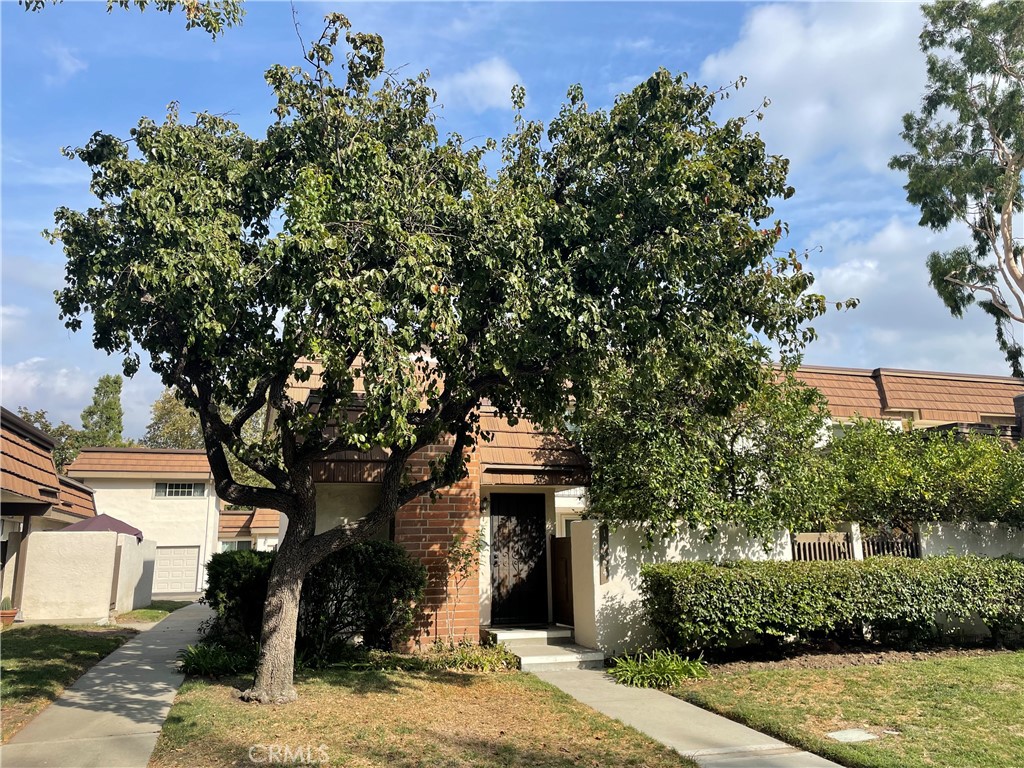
(524,455)
(242,523)
(26,461)
(100,461)
(76,498)
(926,396)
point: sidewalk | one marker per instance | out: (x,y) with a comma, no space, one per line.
(713,741)
(111,717)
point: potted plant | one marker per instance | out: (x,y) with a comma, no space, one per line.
(7,612)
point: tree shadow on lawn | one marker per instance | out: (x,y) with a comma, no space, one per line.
(363,682)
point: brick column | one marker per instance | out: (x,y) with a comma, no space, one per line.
(426,530)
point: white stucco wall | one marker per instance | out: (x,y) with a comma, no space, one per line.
(986,539)
(68,576)
(135,573)
(343,502)
(609,616)
(167,521)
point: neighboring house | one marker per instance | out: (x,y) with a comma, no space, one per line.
(248,529)
(168,495)
(52,571)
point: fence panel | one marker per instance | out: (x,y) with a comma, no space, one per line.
(905,545)
(822,546)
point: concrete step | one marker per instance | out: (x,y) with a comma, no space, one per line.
(542,636)
(534,657)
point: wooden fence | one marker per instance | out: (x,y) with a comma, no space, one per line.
(822,546)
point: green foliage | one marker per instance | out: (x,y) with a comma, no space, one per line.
(236,588)
(368,589)
(173,424)
(67,441)
(885,476)
(103,418)
(461,560)
(213,16)
(968,157)
(664,454)
(699,605)
(211,659)
(656,669)
(6,605)
(353,234)
(467,655)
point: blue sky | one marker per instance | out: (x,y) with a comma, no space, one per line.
(839,77)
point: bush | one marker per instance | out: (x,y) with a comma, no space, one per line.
(215,660)
(368,589)
(236,588)
(466,655)
(698,606)
(658,669)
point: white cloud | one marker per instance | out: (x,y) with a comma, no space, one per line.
(12,321)
(39,382)
(483,86)
(901,322)
(839,75)
(64,63)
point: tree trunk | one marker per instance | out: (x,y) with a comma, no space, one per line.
(276,667)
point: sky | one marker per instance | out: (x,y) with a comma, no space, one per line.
(839,77)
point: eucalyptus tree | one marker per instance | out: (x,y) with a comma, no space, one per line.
(353,234)
(968,159)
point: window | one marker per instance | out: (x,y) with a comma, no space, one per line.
(234,546)
(180,490)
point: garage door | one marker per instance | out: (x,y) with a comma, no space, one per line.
(176,569)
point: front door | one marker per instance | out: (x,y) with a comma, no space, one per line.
(519,575)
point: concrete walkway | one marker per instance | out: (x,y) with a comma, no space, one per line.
(713,741)
(112,715)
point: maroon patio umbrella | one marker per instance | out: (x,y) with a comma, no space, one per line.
(105,523)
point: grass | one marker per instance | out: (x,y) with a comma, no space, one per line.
(155,611)
(963,712)
(39,661)
(403,719)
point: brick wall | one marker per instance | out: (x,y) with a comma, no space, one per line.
(426,530)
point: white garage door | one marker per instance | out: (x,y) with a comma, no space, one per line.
(176,569)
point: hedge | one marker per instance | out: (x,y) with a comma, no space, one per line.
(698,606)
(369,589)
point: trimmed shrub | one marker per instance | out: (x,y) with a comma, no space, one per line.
(210,659)
(236,588)
(698,605)
(368,589)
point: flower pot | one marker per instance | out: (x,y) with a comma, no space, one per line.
(7,617)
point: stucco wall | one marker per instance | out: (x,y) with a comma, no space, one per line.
(135,573)
(170,522)
(987,539)
(68,576)
(337,502)
(608,616)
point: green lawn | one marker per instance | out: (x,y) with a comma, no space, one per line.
(404,719)
(961,712)
(155,611)
(38,662)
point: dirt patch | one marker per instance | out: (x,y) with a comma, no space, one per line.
(857,658)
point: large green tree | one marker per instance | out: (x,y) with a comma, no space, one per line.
(968,159)
(353,234)
(103,418)
(67,440)
(173,424)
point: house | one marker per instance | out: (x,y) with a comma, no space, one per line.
(248,529)
(168,495)
(50,570)
(542,564)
